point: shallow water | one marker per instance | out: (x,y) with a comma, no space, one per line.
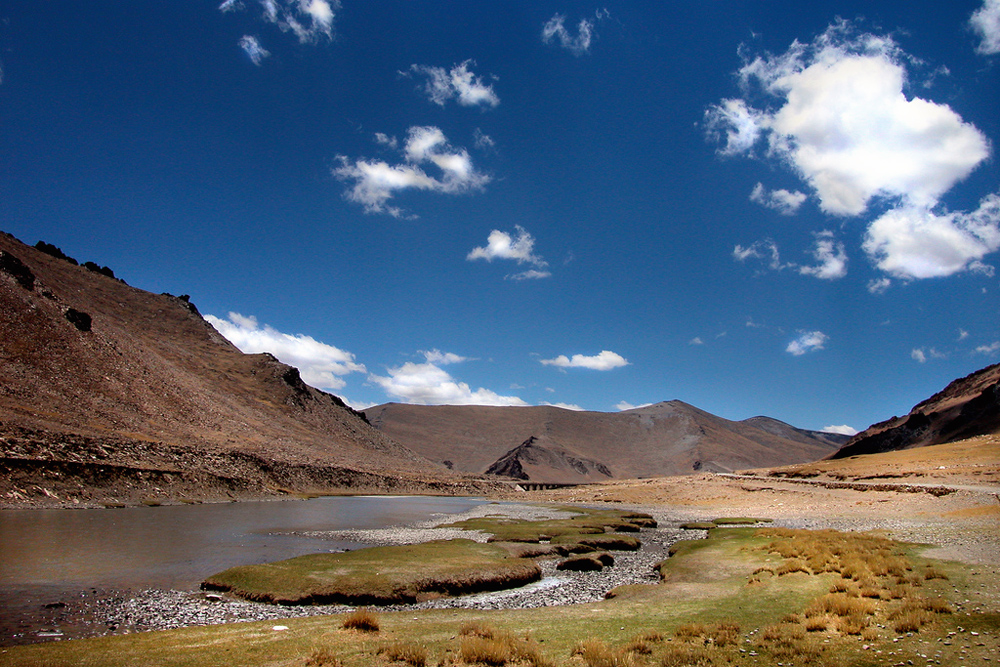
(48,557)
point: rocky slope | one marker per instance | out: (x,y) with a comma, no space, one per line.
(112,394)
(967,407)
(553,445)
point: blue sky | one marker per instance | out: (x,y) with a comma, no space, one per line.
(756,206)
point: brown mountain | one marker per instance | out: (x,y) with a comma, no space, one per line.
(110,392)
(555,445)
(967,407)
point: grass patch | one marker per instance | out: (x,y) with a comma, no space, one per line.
(379,575)
(584,522)
(363,620)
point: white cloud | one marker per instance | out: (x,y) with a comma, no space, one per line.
(309,20)
(831,257)
(625,405)
(962,334)
(764,250)
(458,83)
(696,341)
(912,242)
(253,49)
(740,125)
(879,285)
(376,182)
(808,341)
(483,141)
(429,384)
(782,201)
(605,361)
(921,355)
(566,406)
(841,430)
(519,247)
(530,274)
(555,30)
(985,21)
(846,127)
(319,364)
(442,358)
(992,348)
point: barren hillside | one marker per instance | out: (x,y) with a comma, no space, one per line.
(107,391)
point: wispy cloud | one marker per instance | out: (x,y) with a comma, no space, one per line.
(519,247)
(555,30)
(566,406)
(605,361)
(319,364)
(781,200)
(765,250)
(253,49)
(458,83)
(309,20)
(375,182)
(990,349)
(830,256)
(985,21)
(429,384)
(807,341)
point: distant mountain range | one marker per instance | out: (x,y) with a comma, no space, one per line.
(554,445)
(111,394)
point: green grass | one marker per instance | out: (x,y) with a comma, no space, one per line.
(379,575)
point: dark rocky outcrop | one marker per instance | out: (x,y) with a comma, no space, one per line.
(11,265)
(79,319)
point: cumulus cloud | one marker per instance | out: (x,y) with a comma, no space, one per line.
(844,429)
(831,258)
(309,20)
(375,182)
(605,361)
(458,83)
(807,341)
(319,364)
(985,21)
(846,126)
(781,200)
(253,49)
(429,384)
(519,247)
(555,30)
(921,355)
(915,242)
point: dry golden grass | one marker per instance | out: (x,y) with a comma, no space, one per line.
(323,657)
(363,620)
(483,645)
(411,654)
(595,653)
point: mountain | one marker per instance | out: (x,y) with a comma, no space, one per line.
(110,393)
(550,444)
(967,407)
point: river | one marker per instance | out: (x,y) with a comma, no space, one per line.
(50,556)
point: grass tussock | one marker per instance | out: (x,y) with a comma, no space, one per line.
(482,644)
(405,652)
(323,657)
(595,653)
(363,620)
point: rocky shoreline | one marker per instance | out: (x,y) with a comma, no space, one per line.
(101,612)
